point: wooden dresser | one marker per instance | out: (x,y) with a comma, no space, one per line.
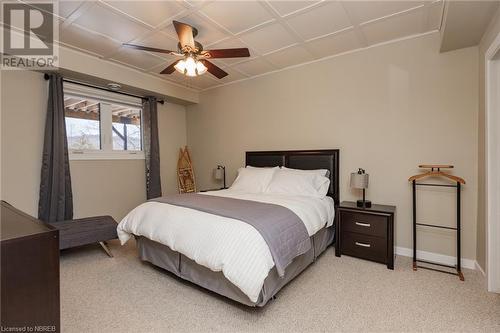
(29,273)
(366,233)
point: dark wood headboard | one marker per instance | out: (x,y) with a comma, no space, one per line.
(301,159)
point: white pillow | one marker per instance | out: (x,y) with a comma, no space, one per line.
(298,183)
(321,172)
(253,180)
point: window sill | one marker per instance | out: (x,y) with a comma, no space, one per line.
(101,155)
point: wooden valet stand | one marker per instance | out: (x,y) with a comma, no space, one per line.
(435,171)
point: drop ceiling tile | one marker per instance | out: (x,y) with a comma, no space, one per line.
(183,80)
(137,58)
(157,69)
(320,20)
(435,13)
(268,39)
(66,8)
(218,62)
(208,32)
(254,67)
(309,18)
(150,12)
(194,3)
(228,44)
(334,44)
(290,56)
(286,7)
(237,16)
(105,21)
(161,41)
(363,11)
(87,41)
(233,75)
(203,82)
(394,27)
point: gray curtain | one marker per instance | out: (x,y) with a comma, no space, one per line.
(151,147)
(56,198)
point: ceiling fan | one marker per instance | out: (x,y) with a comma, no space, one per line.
(194,61)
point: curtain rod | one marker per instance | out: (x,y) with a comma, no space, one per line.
(46,77)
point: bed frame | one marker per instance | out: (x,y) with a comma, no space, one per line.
(185,268)
(301,159)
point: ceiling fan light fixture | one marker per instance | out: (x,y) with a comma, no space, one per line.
(190,50)
(190,67)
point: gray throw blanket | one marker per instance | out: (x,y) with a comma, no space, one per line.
(283,231)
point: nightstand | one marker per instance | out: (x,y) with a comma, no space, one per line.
(366,233)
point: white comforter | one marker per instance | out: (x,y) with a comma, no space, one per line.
(219,243)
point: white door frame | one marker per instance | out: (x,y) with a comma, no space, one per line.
(492,119)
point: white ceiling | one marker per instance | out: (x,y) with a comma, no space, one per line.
(279,34)
(465,22)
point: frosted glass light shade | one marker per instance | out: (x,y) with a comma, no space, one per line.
(200,68)
(190,67)
(180,66)
(359,180)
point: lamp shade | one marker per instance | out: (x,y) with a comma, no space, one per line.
(359,180)
(219,173)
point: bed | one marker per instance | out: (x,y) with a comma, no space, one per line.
(253,279)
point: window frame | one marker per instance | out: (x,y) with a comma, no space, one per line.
(105,98)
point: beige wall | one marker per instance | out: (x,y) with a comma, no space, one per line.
(388,109)
(486,41)
(99,187)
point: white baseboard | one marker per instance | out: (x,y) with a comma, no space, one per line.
(479,268)
(436,257)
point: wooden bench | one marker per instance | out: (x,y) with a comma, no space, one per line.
(97,229)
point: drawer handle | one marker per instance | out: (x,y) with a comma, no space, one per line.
(363,244)
(363,224)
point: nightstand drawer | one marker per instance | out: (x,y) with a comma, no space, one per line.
(367,224)
(363,246)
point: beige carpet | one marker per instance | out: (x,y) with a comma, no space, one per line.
(122,294)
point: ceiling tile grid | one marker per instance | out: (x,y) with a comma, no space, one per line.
(320,20)
(279,34)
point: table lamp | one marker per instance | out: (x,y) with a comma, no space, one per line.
(359,180)
(220,174)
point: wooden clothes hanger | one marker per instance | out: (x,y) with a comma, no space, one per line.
(436,173)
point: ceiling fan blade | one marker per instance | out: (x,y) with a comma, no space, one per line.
(146,48)
(228,53)
(213,69)
(185,33)
(170,69)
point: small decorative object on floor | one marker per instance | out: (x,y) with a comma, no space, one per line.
(435,171)
(220,174)
(359,180)
(185,181)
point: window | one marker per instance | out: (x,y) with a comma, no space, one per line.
(126,128)
(82,123)
(102,124)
